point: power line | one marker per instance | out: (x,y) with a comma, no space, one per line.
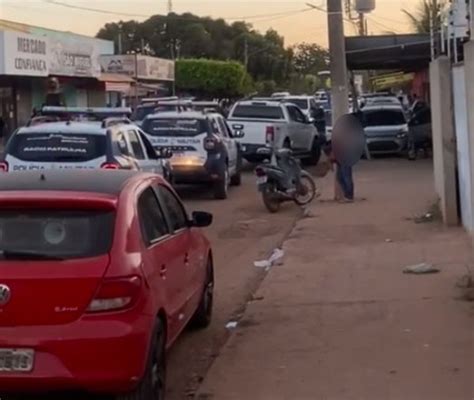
(133,15)
(383,26)
(282,16)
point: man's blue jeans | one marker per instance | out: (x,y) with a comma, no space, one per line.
(344,178)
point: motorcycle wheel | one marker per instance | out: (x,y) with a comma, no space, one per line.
(269,199)
(306,191)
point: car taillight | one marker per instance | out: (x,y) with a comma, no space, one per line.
(270,134)
(260,171)
(109,165)
(116,294)
(3,166)
(210,143)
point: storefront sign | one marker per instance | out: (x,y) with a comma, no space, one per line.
(72,57)
(24,54)
(121,64)
(142,67)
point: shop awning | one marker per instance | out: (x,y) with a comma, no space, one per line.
(116,82)
(405,52)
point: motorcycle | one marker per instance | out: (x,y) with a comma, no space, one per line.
(282,180)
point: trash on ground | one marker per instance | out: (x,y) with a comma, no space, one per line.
(231,324)
(388,240)
(307,213)
(465,282)
(276,258)
(428,217)
(423,268)
(407,330)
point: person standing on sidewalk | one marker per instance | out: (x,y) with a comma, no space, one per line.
(348,145)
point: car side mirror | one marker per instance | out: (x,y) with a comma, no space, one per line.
(201,219)
(164,153)
(239,134)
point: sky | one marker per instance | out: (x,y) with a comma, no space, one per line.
(287,17)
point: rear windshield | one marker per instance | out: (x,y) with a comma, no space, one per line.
(55,147)
(384,118)
(257,112)
(175,126)
(143,111)
(38,234)
(301,103)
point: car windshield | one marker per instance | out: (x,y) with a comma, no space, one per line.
(257,112)
(384,118)
(42,234)
(301,103)
(175,126)
(54,147)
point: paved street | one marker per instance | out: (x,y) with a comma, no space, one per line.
(341,321)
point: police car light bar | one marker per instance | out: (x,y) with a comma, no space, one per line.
(106,111)
(158,99)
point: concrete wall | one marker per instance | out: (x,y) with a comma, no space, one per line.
(444,140)
(463,145)
(469,72)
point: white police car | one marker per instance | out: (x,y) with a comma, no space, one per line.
(113,143)
(204,149)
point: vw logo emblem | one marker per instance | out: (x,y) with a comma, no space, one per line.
(5,294)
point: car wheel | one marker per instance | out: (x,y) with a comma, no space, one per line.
(203,315)
(315,154)
(236,179)
(221,187)
(153,383)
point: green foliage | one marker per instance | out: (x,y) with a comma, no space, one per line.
(212,78)
(188,36)
(310,58)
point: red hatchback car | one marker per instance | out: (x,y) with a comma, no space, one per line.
(99,273)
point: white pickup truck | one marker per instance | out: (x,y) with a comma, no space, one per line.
(274,125)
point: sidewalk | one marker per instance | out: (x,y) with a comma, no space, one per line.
(339,320)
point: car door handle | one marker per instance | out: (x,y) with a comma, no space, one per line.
(163,271)
(186,259)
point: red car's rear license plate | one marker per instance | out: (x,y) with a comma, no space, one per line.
(16,360)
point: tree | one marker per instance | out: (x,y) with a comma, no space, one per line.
(426,16)
(310,58)
(189,36)
(212,78)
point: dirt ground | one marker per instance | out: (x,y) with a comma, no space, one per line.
(242,232)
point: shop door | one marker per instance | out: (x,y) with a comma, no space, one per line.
(7,112)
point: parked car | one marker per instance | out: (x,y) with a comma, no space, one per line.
(420,133)
(114,143)
(99,275)
(274,125)
(208,106)
(386,129)
(153,106)
(382,101)
(204,149)
(312,110)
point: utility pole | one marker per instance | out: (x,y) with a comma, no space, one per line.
(361,23)
(170,6)
(337,52)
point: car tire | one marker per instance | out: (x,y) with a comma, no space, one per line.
(203,316)
(315,154)
(236,179)
(153,384)
(221,187)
